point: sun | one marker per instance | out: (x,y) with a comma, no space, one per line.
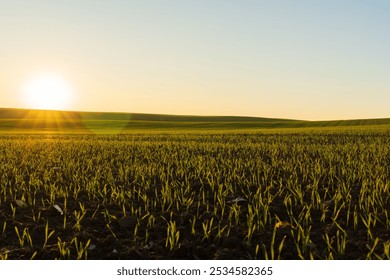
(47,91)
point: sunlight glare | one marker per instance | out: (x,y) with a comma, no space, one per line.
(47,91)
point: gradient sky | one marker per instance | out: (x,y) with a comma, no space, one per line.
(289,59)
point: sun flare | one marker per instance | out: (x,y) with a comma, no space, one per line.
(47,91)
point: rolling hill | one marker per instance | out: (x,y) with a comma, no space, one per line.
(50,119)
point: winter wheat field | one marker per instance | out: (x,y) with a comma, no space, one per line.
(101,186)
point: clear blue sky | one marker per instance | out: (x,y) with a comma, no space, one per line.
(290,59)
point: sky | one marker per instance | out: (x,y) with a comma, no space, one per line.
(302,59)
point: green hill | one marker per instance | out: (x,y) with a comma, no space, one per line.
(48,120)
(37,114)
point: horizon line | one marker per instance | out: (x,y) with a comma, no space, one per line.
(190,115)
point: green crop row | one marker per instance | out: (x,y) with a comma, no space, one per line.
(285,195)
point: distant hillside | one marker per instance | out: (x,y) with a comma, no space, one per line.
(36,114)
(48,119)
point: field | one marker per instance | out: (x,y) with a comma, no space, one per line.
(88,187)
